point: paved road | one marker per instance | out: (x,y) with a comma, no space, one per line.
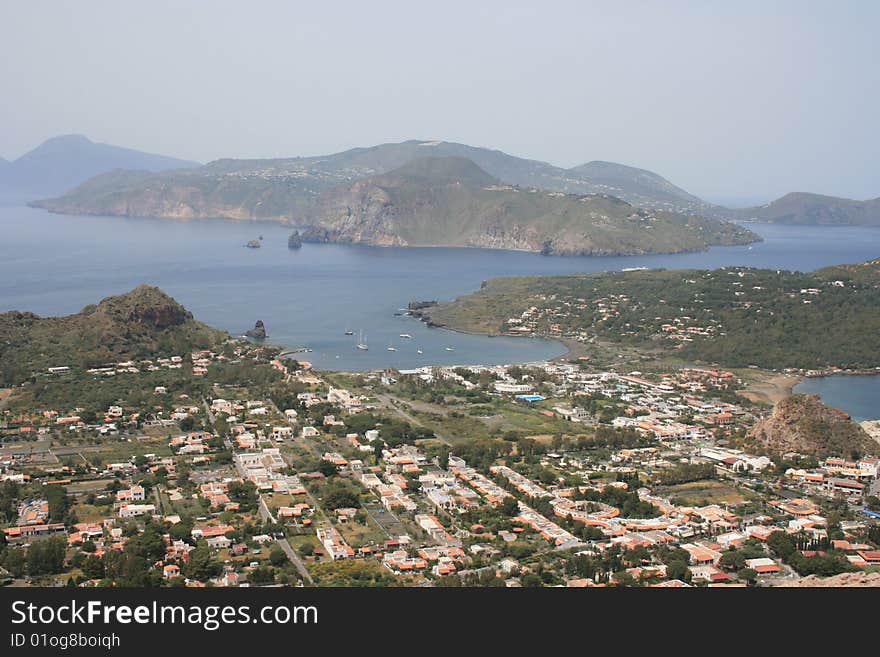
(265,514)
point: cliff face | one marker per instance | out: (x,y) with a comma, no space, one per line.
(452,202)
(802,423)
(363,212)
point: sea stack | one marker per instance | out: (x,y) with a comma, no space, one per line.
(258,332)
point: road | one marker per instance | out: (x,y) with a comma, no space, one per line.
(266,515)
(388,402)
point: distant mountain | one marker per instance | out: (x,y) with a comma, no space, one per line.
(61,163)
(636,184)
(286,189)
(142,323)
(815,209)
(450,201)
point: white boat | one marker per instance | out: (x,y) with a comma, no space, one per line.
(362,342)
(405,336)
(391,347)
(419,351)
(349,332)
(450,349)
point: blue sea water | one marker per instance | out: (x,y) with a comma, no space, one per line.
(54,265)
(858,395)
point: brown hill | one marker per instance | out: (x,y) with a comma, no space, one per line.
(802,423)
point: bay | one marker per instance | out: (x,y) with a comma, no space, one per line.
(858,395)
(54,265)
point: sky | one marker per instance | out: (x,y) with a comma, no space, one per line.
(737,102)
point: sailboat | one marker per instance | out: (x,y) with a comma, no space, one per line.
(391,347)
(419,351)
(362,342)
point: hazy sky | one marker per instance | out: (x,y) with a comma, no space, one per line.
(730,100)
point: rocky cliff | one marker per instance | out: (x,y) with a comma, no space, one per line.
(452,202)
(802,423)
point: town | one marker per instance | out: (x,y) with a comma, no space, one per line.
(236,467)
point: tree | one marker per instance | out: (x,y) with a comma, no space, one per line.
(93,567)
(14,561)
(747,575)
(340,498)
(531,580)
(245,493)
(510,507)
(781,544)
(326,468)
(277,557)
(201,565)
(262,575)
(58,501)
(148,545)
(677,570)
(46,557)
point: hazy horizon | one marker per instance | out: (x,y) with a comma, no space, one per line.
(735,103)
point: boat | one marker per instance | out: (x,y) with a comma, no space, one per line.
(405,336)
(349,332)
(362,342)
(392,348)
(419,351)
(450,348)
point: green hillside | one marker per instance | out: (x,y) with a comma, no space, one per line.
(734,316)
(453,202)
(143,323)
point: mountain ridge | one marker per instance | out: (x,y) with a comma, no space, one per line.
(61,163)
(450,201)
(283,189)
(807,208)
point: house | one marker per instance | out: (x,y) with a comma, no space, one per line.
(134,510)
(171,570)
(134,494)
(700,554)
(218,542)
(763,565)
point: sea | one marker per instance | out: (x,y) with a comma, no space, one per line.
(857,394)
(309,298)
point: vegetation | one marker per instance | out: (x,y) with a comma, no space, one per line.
(734,316)
(451,201)
(143,323)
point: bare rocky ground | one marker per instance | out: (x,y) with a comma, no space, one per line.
(844,579)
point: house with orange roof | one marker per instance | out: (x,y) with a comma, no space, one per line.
(700,554)
(763,565)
